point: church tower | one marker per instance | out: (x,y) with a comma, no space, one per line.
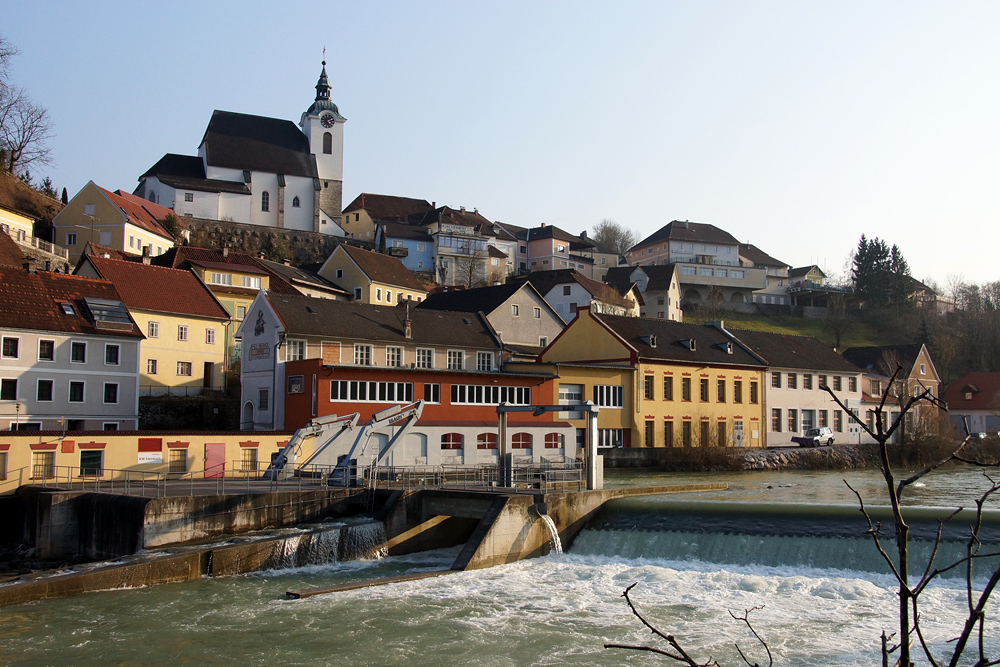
(324,127)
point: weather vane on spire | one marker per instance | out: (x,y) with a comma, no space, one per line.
(324,56)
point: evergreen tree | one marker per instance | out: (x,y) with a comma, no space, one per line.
(870,272)
(65,196)
(900,282)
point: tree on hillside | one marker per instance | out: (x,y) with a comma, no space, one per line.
(65,197)
(880,274)
(614,235)
(25,126)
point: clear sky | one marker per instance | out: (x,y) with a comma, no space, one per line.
(796,126)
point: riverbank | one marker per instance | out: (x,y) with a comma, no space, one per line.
(836,457)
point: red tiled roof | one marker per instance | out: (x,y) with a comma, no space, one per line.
(10,253)
(138,214)
(182,256)
(985,389)
(157,288)
(31,301)
(383,268)
(388,207)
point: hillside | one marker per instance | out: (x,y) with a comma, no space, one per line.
(18,196)
(860,333)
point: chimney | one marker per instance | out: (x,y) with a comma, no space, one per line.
(225,251)
(260,255)
(462,209)
(583,234)
(30,265)
(147,254)
(287,262)
(407,324)
(434,204)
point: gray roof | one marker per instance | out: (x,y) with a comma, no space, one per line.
(187,172)
(689,232)
(485,299)
(308,316)
(241,141)
(880,358)
(759,257)
(790,351)
(296,274)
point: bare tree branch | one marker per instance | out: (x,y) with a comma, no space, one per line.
(746,619)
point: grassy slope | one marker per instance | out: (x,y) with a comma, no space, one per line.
(860,334)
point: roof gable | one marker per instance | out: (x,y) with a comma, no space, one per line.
(139,212)
(243,141)
(381,268)
(386,208)
(689,232)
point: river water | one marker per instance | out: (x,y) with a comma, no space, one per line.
(824,601)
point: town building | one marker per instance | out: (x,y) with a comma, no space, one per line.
(368,211)
(371,277)
(117,220)
(659,285)
(547,247)
(567,290)
(70,357)
(260,171)
(184,352)
(800,368)
(775,290)
(690,385)
(974,403)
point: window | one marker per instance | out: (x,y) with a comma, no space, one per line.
(46,350)
(610,437)
(295,350)
(70,238)
(753,392)
(182,332)
(91,462)
(538,313)
(703,385)
(543,341)
(43,464)
(609,395)
(378,293)
(821,381)
(262,399)
(807,381)
(131,241)
(776,420)
(78,352)
(793,420)
(8,390)
(703,442)
(44,390)
(793,381)
(216,278)
(456,360)
(474,394)
(151,367)
(111,353)
(452,441)
(188,196)
(720,434)
(362,355)
(110,392)
(484,361)
(554,440)
(776,380)
(686,433)
(388,296)
(432,393)
(852,384)
(876,388)
(721,391)
(153,330)
(265,201)
(737,391)
(923,369)
(823,417)
(838,421)
(76,392)
(295,202)
(521,441)
(668,433)
(647,387)
(184,368)
(425,357)
(514,310)
(486,441)
(177,460)
(393,356)
(11,347)
(241,312)
(686,389)
(252,282)
(668,387)
(357,293)
(248,459)
(566,290)
(836,383)
(367,391)
(210,336)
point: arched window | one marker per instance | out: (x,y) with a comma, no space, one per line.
(265,201)
(521,441)
(554,440)
(327,143)
(486,441)
(152,197)
(452,441)
(295,202)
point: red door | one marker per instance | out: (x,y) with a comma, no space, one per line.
(215,459)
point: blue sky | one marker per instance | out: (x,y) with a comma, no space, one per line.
(796,126)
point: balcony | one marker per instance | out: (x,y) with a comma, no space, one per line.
(34,242)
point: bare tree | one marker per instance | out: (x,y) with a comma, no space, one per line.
(838,319)
(25,126)
(614,235)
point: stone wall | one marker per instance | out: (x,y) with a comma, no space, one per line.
(301,247)
(839,457)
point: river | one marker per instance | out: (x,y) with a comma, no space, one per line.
(557,610)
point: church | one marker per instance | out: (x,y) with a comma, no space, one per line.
(260,171)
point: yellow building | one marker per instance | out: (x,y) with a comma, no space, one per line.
(184,352)
(361,215)
(117,220)
(371,277)
(690,385)
(19,226)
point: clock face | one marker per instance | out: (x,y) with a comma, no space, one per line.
(327,120)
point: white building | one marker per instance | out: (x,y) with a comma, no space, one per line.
(260,171)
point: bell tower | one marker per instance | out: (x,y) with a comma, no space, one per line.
(324,127)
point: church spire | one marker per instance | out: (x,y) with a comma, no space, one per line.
(323,101)
(323,85)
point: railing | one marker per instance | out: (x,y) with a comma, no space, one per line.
(34,242)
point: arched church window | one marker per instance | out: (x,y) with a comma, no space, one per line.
(265,201)
(295,202)
(327,143)
(152,197)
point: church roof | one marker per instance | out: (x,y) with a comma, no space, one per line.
(242,141)
(187,172)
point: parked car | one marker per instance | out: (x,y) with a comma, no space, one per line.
(815,437)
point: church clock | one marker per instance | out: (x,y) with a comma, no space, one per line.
(327,119)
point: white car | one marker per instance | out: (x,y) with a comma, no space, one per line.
(815,437)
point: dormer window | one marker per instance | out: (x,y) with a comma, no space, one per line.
(67,309)
(968,395)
